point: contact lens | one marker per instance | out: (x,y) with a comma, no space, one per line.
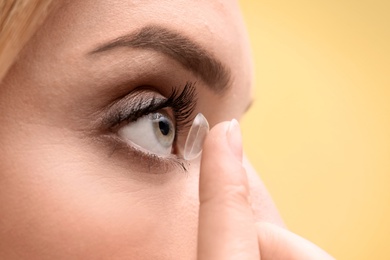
(196,137)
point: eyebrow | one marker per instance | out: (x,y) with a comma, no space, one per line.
(179,47)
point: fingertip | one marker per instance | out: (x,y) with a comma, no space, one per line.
(216,137)
(225,137)
(235,139)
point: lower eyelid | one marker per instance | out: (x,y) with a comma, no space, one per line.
(140,160)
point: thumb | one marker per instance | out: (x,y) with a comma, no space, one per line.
(278,243)
(227,227)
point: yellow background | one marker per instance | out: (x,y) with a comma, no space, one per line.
(319,131)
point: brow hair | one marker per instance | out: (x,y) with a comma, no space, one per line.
(179,47)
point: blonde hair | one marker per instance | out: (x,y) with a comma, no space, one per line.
(19,20)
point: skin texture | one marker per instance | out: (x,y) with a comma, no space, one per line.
(66,191)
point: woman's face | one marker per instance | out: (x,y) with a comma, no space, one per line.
(93,118)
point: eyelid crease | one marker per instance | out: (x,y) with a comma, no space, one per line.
(141,102)
(123,112)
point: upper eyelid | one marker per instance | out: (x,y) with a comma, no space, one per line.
(131,113)
(136,99)
(145,100)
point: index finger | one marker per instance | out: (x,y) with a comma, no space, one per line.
(226,223)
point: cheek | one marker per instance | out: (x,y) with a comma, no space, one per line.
(61,200)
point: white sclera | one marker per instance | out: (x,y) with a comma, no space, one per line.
(196,136)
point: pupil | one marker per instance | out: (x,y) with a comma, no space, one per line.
(164,127)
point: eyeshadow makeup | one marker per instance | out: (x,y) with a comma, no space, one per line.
(196,136)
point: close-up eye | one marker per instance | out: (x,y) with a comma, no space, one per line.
(151,123)
(153,133)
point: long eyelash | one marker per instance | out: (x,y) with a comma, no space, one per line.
(182,103)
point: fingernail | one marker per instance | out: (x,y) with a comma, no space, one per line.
(234,139)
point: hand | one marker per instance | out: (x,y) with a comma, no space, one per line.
(228,228)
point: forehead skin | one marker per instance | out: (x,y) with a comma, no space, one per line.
(64,196)
(80,26)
